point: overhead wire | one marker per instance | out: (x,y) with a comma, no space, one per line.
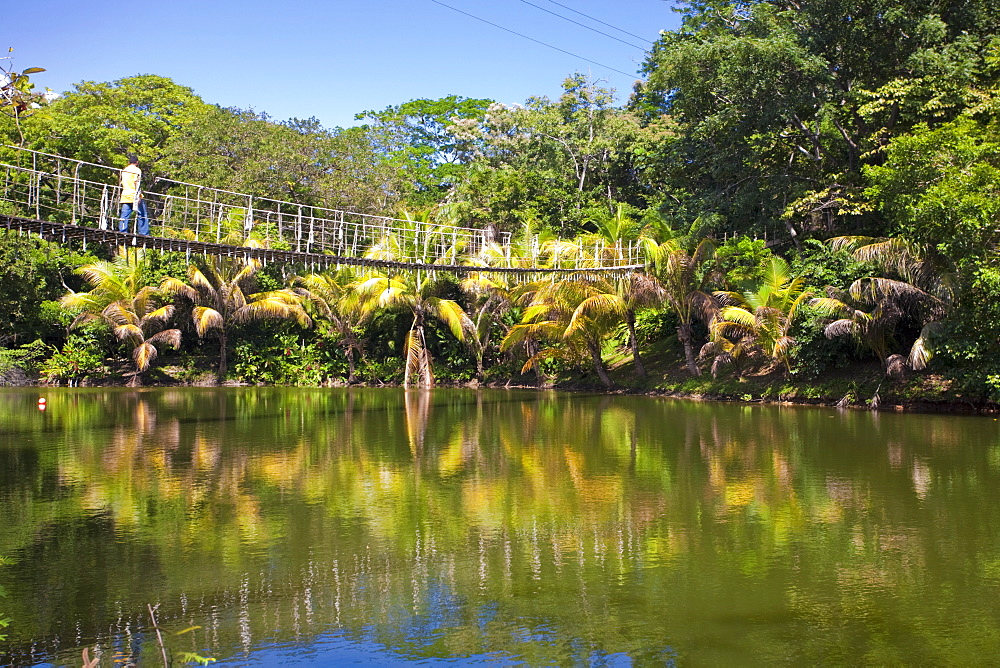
(631,34)
(583,25)
(537,41)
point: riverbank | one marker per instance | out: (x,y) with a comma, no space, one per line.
(861,385)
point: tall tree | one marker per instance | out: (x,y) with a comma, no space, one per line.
(779,103)
(331,298)
(685,278)
(421,137)
(557,161)
(102,122)
(417,240)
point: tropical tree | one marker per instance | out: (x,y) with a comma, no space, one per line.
(101,122)
(759,320)
(620,233)
(573,316)
(919,284)
(221,289)
(331,298)
(423,139)
(684,278)
(418,239)
(490,294)
(558,160)
(776,107)
(121,298)
(488,298)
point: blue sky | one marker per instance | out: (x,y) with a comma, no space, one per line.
(333,59)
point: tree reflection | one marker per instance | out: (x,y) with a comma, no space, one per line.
(547,527)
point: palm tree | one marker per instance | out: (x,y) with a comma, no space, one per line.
(120,298)
(490,294)
(488,298)
(920,284)
(761,319)
(220,288)
(638,290)
(579,315)
(413,293)
(330,296)
(684,278)
(423,241)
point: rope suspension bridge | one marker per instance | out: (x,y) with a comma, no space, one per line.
(63,199)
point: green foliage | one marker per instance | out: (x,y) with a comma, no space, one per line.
(32,272)
(431,141)
(26,358)
(821,264)
(298,160)
(103,122)
(80,357)
(778,105)
(557,161)
(743,261)
(280,356)
(942,187)
(813,352)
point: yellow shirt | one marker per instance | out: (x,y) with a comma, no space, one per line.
(130,184)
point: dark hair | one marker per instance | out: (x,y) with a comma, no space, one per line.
(132,158)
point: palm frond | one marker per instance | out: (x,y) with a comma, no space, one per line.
(454,316)
(129,333)
(206,319)
(842,327)
(168,337)
(922,350)
(160,315)
(173,286)
(143,355)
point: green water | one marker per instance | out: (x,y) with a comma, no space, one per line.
(329,526)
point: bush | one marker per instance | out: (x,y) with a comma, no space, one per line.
(813,353)
(17,364)
(285,357)
(79,358)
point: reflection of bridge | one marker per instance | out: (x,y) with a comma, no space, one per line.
(64,199)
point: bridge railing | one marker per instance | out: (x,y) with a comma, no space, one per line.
(50,187)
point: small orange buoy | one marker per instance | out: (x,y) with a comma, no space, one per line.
(41,403)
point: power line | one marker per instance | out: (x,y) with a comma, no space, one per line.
(584,25)
(537,41)
(597,20)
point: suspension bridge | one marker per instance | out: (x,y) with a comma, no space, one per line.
(63,199)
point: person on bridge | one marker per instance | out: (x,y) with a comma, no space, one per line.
(132,197)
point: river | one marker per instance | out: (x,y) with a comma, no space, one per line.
(330,526)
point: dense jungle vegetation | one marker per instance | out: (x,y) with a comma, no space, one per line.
(816,186)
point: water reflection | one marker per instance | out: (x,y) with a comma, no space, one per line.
(497,526)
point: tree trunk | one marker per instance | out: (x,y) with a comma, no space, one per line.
(636,359)
(602,373)
(350,366)
(223,344)
(686,336)
(531,347)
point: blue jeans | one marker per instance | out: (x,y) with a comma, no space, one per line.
(127,213)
